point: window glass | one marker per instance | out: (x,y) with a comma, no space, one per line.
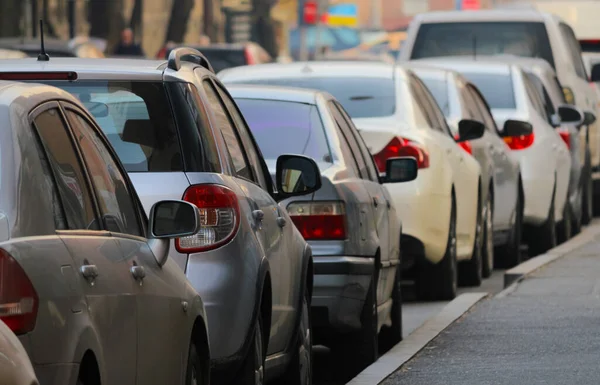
(535,97)
(439,89)
(496,88)
(347,135)
(432,109)
(574,50)
(528,39)
(228,131)
(470,104)
(362,97)
(547,105)
(484,110)
(116,204)
(68,173)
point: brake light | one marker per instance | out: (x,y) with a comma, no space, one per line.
(565,136)
(18,299)
(20,76)
(219,218)
(249,57)
(466,145)
(401,147)
(519,142)
(319,220)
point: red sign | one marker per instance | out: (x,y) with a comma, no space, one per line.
(471,4)
(310,12)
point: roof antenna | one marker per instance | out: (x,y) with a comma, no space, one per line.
(43,56)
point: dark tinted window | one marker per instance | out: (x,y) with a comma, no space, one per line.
(542,93)
(528,39)
(497,89)
(114,198)
(362,97)
(281,127)
(67,170)
(439,89)
(574,50)
(590,45)
(136,118)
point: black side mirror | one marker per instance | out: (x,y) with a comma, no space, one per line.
(516,128)
(588,118)
(173,219)
(570,114)
(402,169)
(595,73)
(296,175)
(469,130)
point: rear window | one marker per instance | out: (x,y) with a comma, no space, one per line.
(439,90)
(528,39)
(282,127)
(497,89)
(589,45)
(360,97)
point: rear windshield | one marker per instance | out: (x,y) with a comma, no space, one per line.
(360,97)
(497,89)
(281,127)
(589,45)
(528,39)
(439,90)
(221,59)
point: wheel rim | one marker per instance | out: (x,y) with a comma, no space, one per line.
(258,364)
(305,352)
(489,235)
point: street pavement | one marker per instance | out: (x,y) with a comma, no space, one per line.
(544,331)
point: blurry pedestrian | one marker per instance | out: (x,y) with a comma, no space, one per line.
(127,46)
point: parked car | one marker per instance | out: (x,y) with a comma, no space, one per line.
(519,32)
(226,55)
(396,115)
(180,136)
(543,156)
(83,48)
(15,367)
(350,223)
(87,284)
(502,188)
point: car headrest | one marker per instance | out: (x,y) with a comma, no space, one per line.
(139,131)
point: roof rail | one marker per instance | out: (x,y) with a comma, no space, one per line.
(190,55)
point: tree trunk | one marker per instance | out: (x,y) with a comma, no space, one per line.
(10,18)
(180,14)
(106,20)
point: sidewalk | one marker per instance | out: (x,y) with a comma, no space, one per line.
(545,331)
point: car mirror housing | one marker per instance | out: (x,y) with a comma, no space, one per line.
(516,128)
(296,175)
(401,169)
(469,129)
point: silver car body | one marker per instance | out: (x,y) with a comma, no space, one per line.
(343,268)
(95,311)
(500,170)
(15,367)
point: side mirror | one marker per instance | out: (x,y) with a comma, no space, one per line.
(595,73)
(469,130)
(570,114)
(516,128)
(402,169)
(588,118)
(296,175)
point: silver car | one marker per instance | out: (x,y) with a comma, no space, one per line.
(180,136)
(87,284)
(350,222)
(503,189)
(15,367)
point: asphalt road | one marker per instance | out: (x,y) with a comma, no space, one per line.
(543,332)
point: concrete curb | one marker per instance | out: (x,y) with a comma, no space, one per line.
(519,272)
(411,345)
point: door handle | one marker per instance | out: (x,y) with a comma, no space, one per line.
(281,221)
(138,272)
(258,215)
(89,272)
(375,201)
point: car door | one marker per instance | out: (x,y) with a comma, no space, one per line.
(105,277)
(161,323)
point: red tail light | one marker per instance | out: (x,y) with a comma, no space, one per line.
(565,136)
(219,218)
(519,142)
(319,220)
(22,76)
(401,147)
(249,57)
(466,145)
(18,299)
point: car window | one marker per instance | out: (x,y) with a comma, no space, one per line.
(422,119)
(117,206)
(470,104)
(439,89)
(346,136)
(496,88)
(547,104)
(574,50)
(432,109)
(225,126)
(484,109)
(68,173)
(535,97)
(560,94)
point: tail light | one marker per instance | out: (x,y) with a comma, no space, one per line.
(466,145)
(565,136)
(219,218)
(401,147)
(249,57)
(319,220)
(519,142)
(18,299)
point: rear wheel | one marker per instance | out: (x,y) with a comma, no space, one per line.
(509,254)
(565,227)
(300,370)
(543,238)
(195,374)
(253,368)
(587,199)
(470,272)
(389,336)
(488,240)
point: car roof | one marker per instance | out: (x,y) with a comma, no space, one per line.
(487,15)
(288,94)
(29,95)
(479,64)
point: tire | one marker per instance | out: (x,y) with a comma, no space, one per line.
(195,373)
(544,237)
(440,281)
(509,254)
(390,336)
(253,368)
(565,227)
(300,370)
(576,218)
(470,272)
(587,204)
(487,255)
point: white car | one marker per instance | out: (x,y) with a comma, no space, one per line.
(396,115)
(15,367)
(543,156)
(519,32)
